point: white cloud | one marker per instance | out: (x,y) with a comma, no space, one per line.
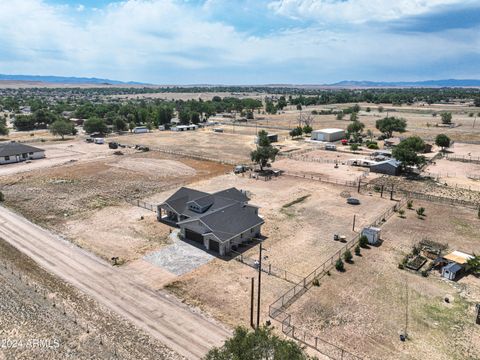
(355,11)
(80,8)
(148,40)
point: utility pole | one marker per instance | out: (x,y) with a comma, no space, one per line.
(406,309)
(251,303)
(354,218)
(259,285)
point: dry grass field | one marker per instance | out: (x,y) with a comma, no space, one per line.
(364,308)
(86,200)
(231,147)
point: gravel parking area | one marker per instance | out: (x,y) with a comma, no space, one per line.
(180,257)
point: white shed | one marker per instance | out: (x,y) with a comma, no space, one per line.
(372,234)
(328,135)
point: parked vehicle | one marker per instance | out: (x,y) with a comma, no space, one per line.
(240,169)
(331,147)
(344,141)
(99,141)
(353,201)
(113,145)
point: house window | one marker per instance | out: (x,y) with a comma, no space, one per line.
(31,153)
(24,155)
(7,158)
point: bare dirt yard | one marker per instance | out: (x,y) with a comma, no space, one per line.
(59,153)
(86,201)
(364,309)
(456,173)
(301,217)
(43,317)
(230,147)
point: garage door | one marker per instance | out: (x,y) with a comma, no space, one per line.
(213,246)
(194,236)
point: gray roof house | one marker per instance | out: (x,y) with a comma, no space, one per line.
(220,221)
(13,152)
(388,167)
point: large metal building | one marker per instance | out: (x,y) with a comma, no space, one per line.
(328,135)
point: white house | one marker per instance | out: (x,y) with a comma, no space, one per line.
(372,234)
(328,135)
(14,152)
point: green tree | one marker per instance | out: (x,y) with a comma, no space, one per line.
(446,117)
(347,256)
(3,129)
(259,344)
(95,124)
(357,250)
(339,265)
(353,116)
(299,107)
(407,151)
(390,124)
(356,108)
(264,151)
(195,117)
(307,129)
(476,101)
(24,122)
(296,132)
(184,117)
(119,124)
(131,126)
(340,115)
(443,141)
(363,241)
(473,265)
(61,128)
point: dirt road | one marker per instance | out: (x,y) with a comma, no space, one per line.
(184,331)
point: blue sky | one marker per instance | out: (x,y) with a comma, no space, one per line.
(242,42)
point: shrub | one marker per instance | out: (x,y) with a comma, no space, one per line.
(401,212)
(354,147)
(424,273)
(373,146)
(339,265)
(2,197)
(316,282)
(421,211)
(410,204)
(357,250)
(348,256)
(363,242)
(400,266)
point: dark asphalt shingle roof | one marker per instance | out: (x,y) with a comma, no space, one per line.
(227,215)
(14,148)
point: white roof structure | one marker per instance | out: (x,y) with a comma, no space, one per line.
(458,257)
(329,130)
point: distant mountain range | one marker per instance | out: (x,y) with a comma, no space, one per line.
(426,83)
(344,84)
(65,80)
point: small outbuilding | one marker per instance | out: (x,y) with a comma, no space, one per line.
(13,152)
(372,234)
(184,128)
(388,167)
(272,137)
(451,271)
(328,135)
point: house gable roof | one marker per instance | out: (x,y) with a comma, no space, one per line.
(14,148)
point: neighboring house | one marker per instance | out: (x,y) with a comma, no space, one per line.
(219,221)
(328,135)
(388,167)
(13,152)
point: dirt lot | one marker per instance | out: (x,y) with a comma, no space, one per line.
(455,173)
(230,147)
(363,309)
(86,200)
(299,237)
(58,153)
(38,308)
